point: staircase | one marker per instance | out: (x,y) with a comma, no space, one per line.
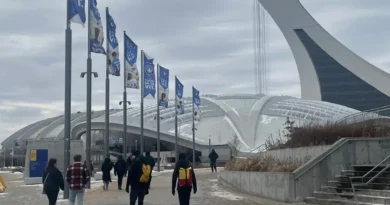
(362,185)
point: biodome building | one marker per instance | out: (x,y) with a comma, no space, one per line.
(248,119)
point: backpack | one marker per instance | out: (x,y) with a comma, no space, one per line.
(185,177)
(146,171)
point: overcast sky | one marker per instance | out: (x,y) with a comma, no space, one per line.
(206,43)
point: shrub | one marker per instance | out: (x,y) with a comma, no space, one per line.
(326,134)
(261,164)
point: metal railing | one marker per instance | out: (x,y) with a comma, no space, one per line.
(366,175)
(374,111)
(259,149)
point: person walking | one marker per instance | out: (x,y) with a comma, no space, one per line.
(52,181)
(106,170)
(120,170)
(138,178)
(150,160)
(77,176)
(185,175)
(213,156)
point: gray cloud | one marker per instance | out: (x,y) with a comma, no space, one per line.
(208,44)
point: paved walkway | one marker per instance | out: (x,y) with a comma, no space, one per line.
(209,193)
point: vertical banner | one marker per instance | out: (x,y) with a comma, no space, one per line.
(149,77)
(77,11)
(179,97)
(96,37)
(163,86)
(131,70)
(113,63)
(196,102)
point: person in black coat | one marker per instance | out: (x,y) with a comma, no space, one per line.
(138,189)
(213,156)
(184,190)
(106,170)
(52,181)
(120,170)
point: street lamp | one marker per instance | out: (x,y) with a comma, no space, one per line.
(124,125)
(89,74)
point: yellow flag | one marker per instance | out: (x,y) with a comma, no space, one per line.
(39,137)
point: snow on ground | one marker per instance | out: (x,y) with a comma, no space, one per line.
(3,195)
(5,172)
(219,192)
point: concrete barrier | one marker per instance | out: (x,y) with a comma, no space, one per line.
(300,154)
(273,185)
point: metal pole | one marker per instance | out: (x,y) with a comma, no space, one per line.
(142,103)
(124,103)
(13,153)
(176,133)
(107,111)
(193,129)
(89,96)
(158,117)
(209,144)
(68,96)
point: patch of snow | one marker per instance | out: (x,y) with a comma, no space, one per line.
(217,191)
(5,172)
(17,173)
(3,194)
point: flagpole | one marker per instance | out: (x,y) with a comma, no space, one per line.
(193,128)
(89,93)
(142,103)
(124,99)
(107,111)
(68,95)
(176,154)
(158,117)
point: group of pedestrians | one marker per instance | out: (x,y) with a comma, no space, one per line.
(137,168)
(77,177)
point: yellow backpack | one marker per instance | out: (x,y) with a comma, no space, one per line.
(146,171)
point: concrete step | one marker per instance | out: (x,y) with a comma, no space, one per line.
(350,196)
(372,192)
(313,200)
(384,180)
(368,167)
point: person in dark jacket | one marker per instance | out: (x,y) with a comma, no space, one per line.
(52,181)
(106,170)
(120,169)
(138,189)
(184,191)
(128,161)
(213,156)
(150,160)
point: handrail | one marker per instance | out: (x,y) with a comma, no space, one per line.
(257,148)
(334,147)
(371,111)
(369,172)
(372,179)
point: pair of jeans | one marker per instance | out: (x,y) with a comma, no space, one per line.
(52,196)
(184,195)
(76,193)
(137,194)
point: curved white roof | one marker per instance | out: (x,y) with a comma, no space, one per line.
(252,118)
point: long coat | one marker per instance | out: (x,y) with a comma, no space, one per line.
(106,169)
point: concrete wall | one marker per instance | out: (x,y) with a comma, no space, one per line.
(55,150)
(341,155)
(301,154)
(273,185)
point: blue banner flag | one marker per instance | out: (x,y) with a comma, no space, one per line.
(131,70)
(195,97)
(113,63)
(149,77)
(179,97)
(96,34)
(163,86)
(77,11)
